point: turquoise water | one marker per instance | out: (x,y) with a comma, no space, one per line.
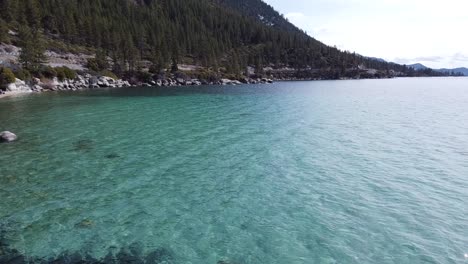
(369,171)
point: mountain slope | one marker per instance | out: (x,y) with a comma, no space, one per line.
(261,11)
(454,71)
(461,70)
(220,35)
(418,66)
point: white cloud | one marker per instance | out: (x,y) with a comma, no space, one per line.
(431,59)
(390,29)
(460,57)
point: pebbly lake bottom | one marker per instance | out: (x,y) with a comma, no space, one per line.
(368,171)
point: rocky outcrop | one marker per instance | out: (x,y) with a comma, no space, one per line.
(88,81)
(80,83)
(104,81)
(7,136)
(170,82)
(227,82)
(18,86)
(244,81)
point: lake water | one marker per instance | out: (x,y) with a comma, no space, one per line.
(368,171)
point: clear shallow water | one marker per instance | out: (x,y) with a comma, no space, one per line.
(371,171)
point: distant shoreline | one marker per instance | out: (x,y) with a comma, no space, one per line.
(237,83)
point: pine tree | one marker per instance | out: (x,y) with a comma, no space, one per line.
(99,62)
(259,66)
(4,37)
(33,14)
(174,66)
(32,49)
(201,32)
(8,9)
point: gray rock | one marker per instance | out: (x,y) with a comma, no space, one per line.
(36,88)
(266,80)
(225,82)
(18,86)
(36,81)
(7,136)
(103,83)
(245,80)
(93,80)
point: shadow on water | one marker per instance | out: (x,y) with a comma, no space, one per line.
(133,254)
(88,145)
(112,156)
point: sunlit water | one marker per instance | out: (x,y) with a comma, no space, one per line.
(371,171)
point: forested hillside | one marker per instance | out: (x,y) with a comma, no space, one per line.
(261,11)
(225,35)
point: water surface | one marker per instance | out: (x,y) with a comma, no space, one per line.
(369,171)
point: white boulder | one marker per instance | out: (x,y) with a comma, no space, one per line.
(18,86)
(7,136)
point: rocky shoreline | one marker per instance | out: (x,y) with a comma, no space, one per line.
(88,81)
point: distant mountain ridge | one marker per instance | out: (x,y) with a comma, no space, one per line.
(376,59)
(219,38)
(461,70)
(418,66)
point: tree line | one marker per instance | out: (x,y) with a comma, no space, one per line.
(166,32)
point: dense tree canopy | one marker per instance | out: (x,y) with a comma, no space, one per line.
(211,33)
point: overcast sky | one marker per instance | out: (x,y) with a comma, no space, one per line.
(432,32)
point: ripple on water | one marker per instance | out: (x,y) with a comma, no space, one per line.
(306,172)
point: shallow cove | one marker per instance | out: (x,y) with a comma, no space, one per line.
(369,171)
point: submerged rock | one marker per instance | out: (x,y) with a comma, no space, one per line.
(112,156)
(85,224)
(124,256)
(160,255)
(84,145)
(7,136)
(67,257)
(225,262)
(8,255)
(132,254)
